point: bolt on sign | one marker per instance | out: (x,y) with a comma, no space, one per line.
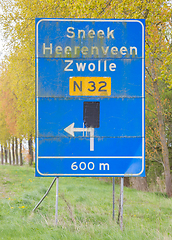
(90,100)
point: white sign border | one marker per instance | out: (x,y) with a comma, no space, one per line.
(143,100)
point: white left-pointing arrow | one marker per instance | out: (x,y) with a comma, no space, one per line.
(71,130)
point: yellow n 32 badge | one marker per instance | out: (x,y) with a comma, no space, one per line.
(90,86)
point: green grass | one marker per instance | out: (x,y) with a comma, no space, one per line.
(85,209)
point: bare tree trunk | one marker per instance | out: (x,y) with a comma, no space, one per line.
(2,155)
(139,183)
(21,160)
(13,154)
(9,151)
(165,152)
(17,157)
(126,181)
(30,143)
(5,152)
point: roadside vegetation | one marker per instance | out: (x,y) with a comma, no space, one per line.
(17,76)
(85,204)
(85,209)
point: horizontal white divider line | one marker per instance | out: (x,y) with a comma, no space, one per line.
(93,174)
(88,157)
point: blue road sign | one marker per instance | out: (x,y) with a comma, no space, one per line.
(90,100)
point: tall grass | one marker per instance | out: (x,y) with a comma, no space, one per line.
(85,209)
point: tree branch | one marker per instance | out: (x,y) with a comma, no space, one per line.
(103,9)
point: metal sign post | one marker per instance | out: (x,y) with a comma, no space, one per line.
(113,198)
(44,195)
(121,203)
(57,190)
(120,212)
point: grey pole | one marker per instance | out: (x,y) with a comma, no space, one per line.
(113,198)
(44,195)
(121,193)
(57,190)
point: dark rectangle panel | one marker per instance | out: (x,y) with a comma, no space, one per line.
(91,114)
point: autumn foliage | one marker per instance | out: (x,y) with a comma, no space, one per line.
(17,80)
